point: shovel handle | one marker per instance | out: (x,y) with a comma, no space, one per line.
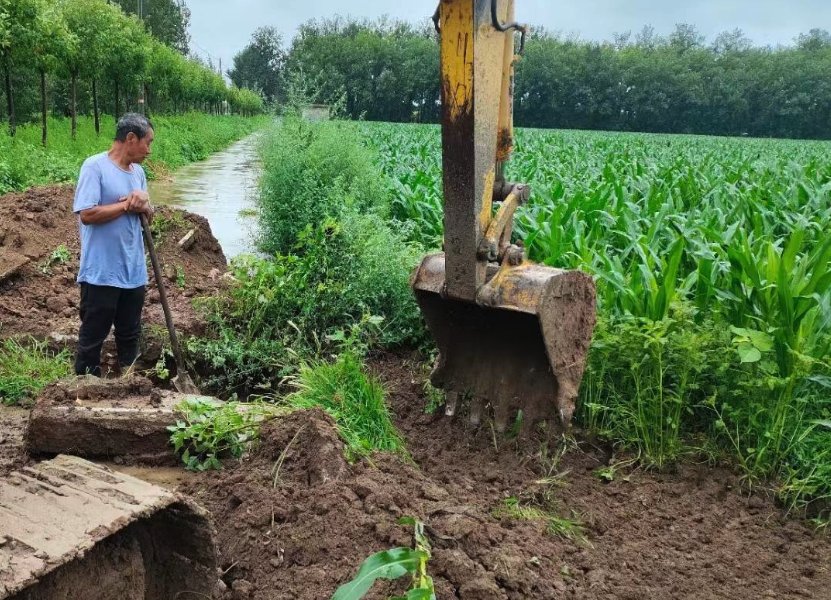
(157,272)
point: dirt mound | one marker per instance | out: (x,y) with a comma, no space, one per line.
(41,300)
(301,531)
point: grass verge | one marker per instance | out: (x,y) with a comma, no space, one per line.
(28,367)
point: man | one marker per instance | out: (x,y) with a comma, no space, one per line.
(109,199)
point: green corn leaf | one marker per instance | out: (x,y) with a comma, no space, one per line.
(666,293)
(793,248)
(389,564)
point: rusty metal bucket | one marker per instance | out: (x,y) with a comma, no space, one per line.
(522,345)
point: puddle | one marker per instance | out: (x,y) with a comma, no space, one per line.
(169,478)
(221,188)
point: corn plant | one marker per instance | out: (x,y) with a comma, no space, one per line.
(735,231)
(394,564)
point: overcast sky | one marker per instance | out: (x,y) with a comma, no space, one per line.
(222,28)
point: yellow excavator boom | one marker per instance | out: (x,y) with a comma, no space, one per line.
(512,335)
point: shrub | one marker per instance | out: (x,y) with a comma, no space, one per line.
(310,173)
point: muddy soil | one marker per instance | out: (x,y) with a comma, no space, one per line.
(13,422)
(43,301)
(301,532)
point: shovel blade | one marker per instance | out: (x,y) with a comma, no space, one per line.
(184,384)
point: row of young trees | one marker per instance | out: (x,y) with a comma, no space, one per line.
(96,42)
(680,83)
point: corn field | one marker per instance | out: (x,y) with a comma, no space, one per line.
(711,257)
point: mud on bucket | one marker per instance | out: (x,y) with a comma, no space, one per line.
(522,346)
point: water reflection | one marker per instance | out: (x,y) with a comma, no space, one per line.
(222,189)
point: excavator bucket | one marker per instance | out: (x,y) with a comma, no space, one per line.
(512,335)
(73,529)
(523,350)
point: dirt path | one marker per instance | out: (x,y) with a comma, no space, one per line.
(689,535)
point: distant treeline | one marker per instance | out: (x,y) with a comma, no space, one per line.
(680,83)
(71,57)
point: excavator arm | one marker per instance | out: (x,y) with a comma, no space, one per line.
(512,335)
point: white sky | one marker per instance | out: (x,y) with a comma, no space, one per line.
(221,28)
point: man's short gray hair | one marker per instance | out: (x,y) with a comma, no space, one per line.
(132,123)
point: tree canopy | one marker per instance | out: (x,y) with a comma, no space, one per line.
(678,83)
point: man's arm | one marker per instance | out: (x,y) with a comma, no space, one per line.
(98,215)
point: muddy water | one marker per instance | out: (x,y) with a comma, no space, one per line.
(222,189)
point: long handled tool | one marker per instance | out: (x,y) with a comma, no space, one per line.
(182,382)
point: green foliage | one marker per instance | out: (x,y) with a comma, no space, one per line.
(311,173)
(354,399)
(675,84)
(646,379)
(260,65)
(712,261)
(179,140)
(59,256)
(394,564)
(95,41)
(207,430)
(345,262)
(28,367)
(166,20)
(388,70)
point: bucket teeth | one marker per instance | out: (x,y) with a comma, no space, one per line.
(452,401)
(501,417)
(476,408)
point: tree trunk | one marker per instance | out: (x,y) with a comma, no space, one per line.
(10,100)
(43,104)
(95,106)
(74,105)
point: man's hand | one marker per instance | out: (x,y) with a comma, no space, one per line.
(137,202)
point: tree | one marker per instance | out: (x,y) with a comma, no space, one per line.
(19,27)
(127,60)
(92,25)
(50,38)
(732,41)
(814,40)
(686,37)
(647,39)
(166,20)
(260,65)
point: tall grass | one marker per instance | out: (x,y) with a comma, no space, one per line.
(27,366)
(179,140)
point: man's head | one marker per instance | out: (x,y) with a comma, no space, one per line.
(135,133)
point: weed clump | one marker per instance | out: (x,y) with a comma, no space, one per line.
(354,399)
(28,367)
(312,173)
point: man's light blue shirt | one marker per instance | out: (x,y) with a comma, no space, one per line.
(111,253)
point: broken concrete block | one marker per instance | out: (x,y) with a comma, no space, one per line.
(187,242)
(94,417)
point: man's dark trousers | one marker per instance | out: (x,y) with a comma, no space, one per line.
(102,307)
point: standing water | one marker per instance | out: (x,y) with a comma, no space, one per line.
(222,189)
